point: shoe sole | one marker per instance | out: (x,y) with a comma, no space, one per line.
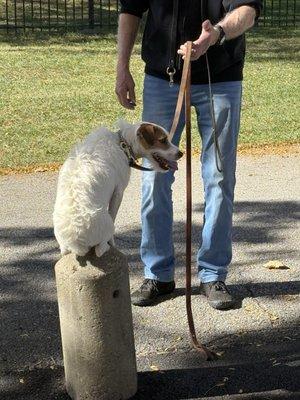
(150,302)
(221,306)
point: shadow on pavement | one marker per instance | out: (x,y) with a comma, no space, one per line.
(30,348)
(246,373)
(247,381)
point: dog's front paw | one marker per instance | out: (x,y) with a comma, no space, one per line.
(101,248)
(111,242)
(64,251)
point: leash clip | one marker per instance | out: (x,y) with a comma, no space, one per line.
(171,71)
(125,148)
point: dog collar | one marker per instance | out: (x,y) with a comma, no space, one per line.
(130,155)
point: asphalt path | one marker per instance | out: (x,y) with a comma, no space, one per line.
(257,342)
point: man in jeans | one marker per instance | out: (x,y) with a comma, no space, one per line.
(216,27)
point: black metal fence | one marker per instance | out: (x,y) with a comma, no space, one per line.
(68,15)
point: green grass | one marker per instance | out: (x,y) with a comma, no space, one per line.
(54,90)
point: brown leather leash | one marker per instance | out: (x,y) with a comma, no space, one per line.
(185,94)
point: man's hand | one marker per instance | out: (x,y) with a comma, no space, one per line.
(128,27)
(234,24)
(125,88)
(208,37)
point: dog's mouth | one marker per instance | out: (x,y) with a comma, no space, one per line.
(164,163)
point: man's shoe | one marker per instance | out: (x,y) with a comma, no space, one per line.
(150,290)
(218,295)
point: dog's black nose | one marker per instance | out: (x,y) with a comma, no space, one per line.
(179,154)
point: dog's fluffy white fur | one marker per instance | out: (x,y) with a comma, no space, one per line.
(90,188)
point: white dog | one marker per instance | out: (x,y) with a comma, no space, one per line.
(93,178)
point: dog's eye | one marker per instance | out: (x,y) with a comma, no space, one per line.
(164,141)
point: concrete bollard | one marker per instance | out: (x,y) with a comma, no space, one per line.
(96,326)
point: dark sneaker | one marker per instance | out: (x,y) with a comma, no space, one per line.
(150,290)
(218,295)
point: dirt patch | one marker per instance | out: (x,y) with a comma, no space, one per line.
(267,149)
(30,169)
(245,149)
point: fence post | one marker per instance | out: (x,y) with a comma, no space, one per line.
(91,14)
(96,326)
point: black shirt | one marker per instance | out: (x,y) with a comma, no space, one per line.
(160,41)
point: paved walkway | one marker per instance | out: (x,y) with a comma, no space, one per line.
(257,342)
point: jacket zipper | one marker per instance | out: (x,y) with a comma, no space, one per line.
(171,69)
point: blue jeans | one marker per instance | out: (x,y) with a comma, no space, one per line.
(215,253)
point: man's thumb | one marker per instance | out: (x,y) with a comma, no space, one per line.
(207,26)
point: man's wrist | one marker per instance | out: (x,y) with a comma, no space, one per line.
(123,66)
(221,34)
(215,36)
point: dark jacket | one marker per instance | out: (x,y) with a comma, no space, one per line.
(161,41)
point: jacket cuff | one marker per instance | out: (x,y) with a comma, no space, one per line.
(134,7)
(131,12)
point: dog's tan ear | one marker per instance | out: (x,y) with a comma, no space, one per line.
(146,134)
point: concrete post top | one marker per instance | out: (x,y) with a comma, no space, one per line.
(91,265)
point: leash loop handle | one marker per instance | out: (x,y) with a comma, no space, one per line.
(182,89)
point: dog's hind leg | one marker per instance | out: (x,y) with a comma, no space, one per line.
(64,251)
(111,241)
(113,208)
(106,234)
(115,203)
(101,248)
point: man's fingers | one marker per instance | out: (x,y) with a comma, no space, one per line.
(121,94)
(131,95)
(195,54)
(125,89)
(126,96)
(127,103)
(123,99)
(207,25)
(201,45)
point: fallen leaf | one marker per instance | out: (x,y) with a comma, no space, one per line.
(170,349)
(154,367)
(40,169)
(276,264)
